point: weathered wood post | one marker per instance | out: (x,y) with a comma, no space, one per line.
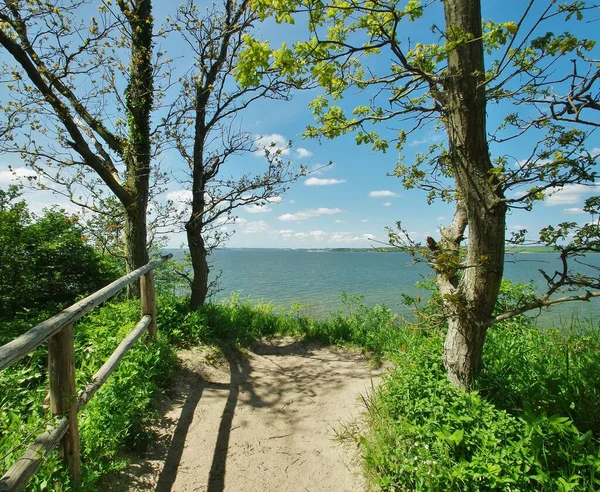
(148,295)
(63,395)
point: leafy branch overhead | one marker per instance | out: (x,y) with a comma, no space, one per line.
(408,91)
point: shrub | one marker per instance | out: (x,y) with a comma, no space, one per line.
(45,262)
(551,372)
(427,435)
(115,418)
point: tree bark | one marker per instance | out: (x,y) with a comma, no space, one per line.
(138,100)
(135,233)
(195,225)
(198,255)
(469,291)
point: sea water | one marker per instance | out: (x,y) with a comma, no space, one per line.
(315,279)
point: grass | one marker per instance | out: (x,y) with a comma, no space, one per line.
(510,435)
(532,424)
(114,420)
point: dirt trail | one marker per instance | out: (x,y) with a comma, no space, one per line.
(263,421)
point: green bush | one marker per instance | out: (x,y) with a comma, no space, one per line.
(427,435)
(115,418)
(45,263)
(552,372)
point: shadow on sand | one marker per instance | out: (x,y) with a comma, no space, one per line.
(190,392)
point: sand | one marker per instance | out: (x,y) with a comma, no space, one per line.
(265,420)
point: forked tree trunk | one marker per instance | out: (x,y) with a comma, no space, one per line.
(469,294)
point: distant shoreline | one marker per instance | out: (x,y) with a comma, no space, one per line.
(509,250)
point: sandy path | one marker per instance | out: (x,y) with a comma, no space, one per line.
(264,421)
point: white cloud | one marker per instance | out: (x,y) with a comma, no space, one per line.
(303,153)
(301,235)
(568,194)
(429,139)
(347,237)
(309,214)
(180,196)
(440,218)
(323,181)
(255,227)
(420,236)
(271,143)
(256,198)
(286,231)
(292,202)
(573,210)
(257,209)
(319,168)
(183,198)
(382,193)
(343,237)
(318,235)
(365,221)
(8,176)
(387,204)
(338,221)
(518,227)
(226,220)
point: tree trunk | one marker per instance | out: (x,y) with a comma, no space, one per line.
(136,252)
(199,264)
(195,225)
(138,101)
(469,294)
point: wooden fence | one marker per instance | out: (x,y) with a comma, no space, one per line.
(65,403)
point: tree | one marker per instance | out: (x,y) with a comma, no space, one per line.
(64,73)
(202,125)
(445,82)
(45,261)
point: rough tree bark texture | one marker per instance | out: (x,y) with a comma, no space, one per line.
(138,99)
(194,229)
(199,264)
(469,294)
(195,225)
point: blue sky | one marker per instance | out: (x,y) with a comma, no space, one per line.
(350,202)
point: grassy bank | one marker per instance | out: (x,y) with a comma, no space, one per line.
(533,424)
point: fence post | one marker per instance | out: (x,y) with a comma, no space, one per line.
(63,395)
(149,301)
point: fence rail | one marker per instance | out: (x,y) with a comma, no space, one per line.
(64,401)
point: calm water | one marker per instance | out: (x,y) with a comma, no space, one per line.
(316,279)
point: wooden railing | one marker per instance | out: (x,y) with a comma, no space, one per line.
(65,403)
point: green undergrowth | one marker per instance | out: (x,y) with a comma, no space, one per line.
(115,420)
(532,424)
